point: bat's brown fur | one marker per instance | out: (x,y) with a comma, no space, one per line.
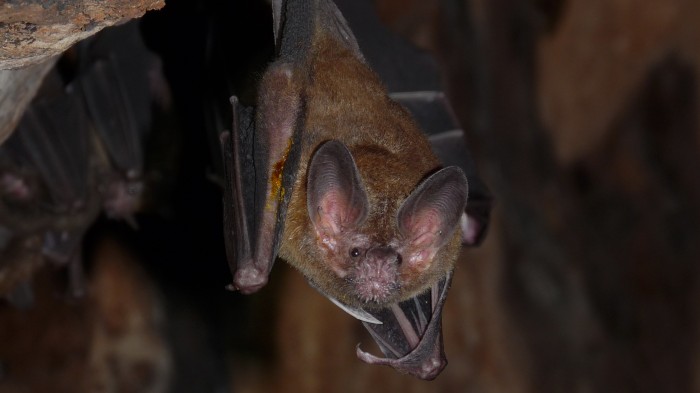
(346,101)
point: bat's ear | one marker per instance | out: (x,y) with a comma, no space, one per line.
(429,216)
(336,199)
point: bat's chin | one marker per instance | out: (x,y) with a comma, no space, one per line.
(375,290)
(374,293)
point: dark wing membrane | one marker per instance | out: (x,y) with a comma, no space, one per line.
(433,113)
(293,40)
(400,65)
(410,335)
(135,64)
(239,187)
(114,117)
(53,138)
(117,77)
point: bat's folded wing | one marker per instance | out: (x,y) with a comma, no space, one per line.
(432,111)
(53,138)
(260,165)
(409,333)
(115,119)
(239,187)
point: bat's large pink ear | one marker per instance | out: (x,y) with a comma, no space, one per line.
(336,199)
(429,216)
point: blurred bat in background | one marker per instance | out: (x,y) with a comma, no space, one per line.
(119,80)
(338,179)
(78,149)
(52,196)
(120,183)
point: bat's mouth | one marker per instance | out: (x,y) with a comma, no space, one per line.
(375,291)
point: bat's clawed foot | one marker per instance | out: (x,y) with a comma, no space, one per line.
(411,346)
(249,279)
(426,368)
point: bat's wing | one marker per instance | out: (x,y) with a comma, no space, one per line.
(323,12)
(260,165)
(408,333)
(115,118)
(432,111)
(133,67)
(113,115)
(239,188)
(118,80)
(53,138)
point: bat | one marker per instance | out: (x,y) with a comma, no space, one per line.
(118,131)
(78,150)
(46,189)
(333,176)
(115,81)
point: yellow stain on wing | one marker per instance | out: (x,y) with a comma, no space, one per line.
(276,190)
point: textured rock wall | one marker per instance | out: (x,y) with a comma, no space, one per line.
(33,33)
(33,30)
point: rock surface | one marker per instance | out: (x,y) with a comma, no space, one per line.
(31,31)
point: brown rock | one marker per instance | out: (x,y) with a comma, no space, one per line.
(32,31)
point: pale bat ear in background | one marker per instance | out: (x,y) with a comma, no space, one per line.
(120,81)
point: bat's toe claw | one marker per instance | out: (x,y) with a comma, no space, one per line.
(249,280)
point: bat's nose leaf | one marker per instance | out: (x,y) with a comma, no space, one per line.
(410,335)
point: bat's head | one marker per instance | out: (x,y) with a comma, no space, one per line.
(121,195)
(381,254)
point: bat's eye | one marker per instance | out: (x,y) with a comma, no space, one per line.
(355,253)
